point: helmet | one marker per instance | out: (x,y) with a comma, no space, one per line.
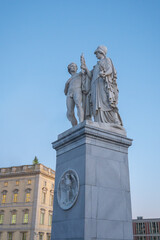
(102,49)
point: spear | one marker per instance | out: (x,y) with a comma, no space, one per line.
(82,63)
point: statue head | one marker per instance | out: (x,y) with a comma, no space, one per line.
(101,51)
(72,68)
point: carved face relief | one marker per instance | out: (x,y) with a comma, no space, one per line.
(68,189)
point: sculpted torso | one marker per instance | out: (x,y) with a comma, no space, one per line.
(75,82)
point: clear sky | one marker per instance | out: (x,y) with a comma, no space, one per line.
(38,39)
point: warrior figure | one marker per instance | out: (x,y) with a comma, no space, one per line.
(104,91)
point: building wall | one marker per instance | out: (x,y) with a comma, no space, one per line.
(146,229)
(31,180)
(45,185)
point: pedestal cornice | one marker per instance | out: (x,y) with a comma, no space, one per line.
(88,130)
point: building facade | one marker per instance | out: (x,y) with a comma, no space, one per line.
(26,202)
(146,229)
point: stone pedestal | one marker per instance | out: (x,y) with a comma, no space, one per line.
(102,209)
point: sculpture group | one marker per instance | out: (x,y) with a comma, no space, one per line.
(95,92)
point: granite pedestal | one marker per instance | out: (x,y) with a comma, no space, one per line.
(103,207)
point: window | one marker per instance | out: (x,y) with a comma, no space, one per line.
(157,227)
(4,195)
(13,217)
(41,236)
(29,182)
(1,217)
(26,216)
(6,184)
(28,195)
(17,183)
(48,236)
(140,228)
(52,185)
(50,218)
(15,195)
(44,192)
(24,236)
(150,228)
(4,198)
(153,227)
(136,228)
(43,197)
(45,183)
(25,220)
(10,236)
(51,198)
(42,216)
(13,221)
(144,229)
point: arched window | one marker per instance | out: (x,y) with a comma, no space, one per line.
(15,195)
(25,216)
(4,195)
(41,234)
(42,215)
(48,236)
(13,216)
(28,195)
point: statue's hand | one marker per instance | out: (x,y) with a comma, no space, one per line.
(84,67)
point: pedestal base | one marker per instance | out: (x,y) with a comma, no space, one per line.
(103,206)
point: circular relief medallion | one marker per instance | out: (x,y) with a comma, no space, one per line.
(68,189)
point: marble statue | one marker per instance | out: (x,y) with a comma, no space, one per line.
(73,91)
(94,92)
(68,189)
(103,90)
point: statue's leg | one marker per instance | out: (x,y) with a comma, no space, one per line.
(78,102)
(84,105)
(70,111)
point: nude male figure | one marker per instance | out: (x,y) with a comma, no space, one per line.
(73,91)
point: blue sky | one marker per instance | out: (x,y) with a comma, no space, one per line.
(38,39)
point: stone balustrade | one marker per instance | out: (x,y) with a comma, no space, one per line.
(26,169)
